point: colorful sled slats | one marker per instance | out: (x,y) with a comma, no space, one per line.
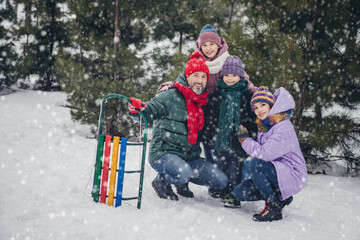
(98,165)
(121,172)
(114,161)
(105,171)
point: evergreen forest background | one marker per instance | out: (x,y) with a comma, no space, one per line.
(89,49)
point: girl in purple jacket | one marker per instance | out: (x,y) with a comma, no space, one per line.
(277,169)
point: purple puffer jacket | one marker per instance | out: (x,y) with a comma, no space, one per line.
(281,147)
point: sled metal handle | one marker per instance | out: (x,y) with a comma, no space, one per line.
(102,109)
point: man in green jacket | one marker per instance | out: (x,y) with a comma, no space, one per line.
(175,149)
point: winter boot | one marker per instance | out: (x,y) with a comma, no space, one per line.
(271,212)
(183,190)
(286,202)
(214,193)
(230,201)
(163,189)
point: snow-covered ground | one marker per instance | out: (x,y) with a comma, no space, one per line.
(46,167)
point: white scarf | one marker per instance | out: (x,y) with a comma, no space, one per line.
(216,65)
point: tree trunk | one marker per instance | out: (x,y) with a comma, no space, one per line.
(318,114)
(307,77)
(28,6)
(51,36)
(7,4)
(230,17)
(180,41)
(116,35)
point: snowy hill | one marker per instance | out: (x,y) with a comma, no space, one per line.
(46,167)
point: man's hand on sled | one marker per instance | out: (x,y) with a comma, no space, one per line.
(136,105)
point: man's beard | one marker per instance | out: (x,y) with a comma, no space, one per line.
(196,90)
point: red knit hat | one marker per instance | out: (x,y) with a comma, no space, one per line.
(196,64)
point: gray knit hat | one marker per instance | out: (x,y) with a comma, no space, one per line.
(233,65)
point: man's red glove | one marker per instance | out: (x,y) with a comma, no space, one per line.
(136,105)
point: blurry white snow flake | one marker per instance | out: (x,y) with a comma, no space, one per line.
(98,102)
(309,26)
(136,229)
(42,47)
(86,76)
(50,134)
(10,151)
(51,215)
(86,222)
(3,53)
(43,33)
(3,98)
(116,39)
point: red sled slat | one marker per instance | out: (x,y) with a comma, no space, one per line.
(105,171)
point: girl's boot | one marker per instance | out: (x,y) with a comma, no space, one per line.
(286,202)
(271,212)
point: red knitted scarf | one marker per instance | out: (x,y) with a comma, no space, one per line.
(194,110)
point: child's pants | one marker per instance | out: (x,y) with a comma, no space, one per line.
(230,162)
(259,182)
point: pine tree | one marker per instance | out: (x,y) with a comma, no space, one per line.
(310,48)
(94,68)
(41,34)
(8,56)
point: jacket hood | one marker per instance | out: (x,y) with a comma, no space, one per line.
(182,79)
(284,101)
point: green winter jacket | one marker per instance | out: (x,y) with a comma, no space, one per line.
(170,130)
